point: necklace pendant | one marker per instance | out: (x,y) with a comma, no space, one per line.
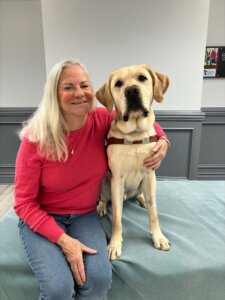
(72,152)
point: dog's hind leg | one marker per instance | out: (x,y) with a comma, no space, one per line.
(104,197)
(102,208)
(141,199)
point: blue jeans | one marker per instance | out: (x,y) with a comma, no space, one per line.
(51,268)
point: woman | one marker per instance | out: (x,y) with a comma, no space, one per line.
(59,169)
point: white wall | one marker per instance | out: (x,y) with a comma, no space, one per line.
(213,93)
(105,35)
(22,61)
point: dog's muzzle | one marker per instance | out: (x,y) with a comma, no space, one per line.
(134,102)
(145,115)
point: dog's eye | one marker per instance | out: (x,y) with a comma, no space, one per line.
(118,83)
(142,78)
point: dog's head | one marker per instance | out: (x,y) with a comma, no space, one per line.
(132,90)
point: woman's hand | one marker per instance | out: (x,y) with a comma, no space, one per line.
(159,153)
(73,250)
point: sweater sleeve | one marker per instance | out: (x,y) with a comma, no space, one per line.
(159,131)
(27,184)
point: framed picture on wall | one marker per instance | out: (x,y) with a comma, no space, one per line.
(214,65)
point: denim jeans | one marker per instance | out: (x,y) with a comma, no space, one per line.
(51,268)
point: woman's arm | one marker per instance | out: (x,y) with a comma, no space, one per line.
(27,178)
(159,150)
(160,132)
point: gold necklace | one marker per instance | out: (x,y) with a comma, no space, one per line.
(73,146)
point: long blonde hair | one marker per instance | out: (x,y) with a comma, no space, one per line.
(47,126)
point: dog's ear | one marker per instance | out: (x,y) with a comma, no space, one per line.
(160,84)
(104,96)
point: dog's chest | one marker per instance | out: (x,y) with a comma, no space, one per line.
(127,160)
(126,165)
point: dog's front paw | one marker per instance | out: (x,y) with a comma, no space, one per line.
(115,249)
(160,241)
(102,208)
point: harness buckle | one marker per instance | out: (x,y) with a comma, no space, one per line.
(127,142)
(145,141)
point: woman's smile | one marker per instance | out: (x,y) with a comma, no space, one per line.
(79,102)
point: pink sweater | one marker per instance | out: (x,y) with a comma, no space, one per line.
(44,187)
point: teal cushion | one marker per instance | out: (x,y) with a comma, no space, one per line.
(17,281)
(192,216)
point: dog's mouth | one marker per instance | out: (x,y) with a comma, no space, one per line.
(144,114)
(134,103)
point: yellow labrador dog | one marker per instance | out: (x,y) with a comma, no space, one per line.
(131,90)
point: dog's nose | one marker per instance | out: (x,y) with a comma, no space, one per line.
(125,118)
(145,113)
(132,91)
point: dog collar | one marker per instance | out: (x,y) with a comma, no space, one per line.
(150,139)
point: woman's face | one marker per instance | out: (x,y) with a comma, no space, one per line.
(75,92)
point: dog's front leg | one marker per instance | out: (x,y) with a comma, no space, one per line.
(117,190)
(149,188)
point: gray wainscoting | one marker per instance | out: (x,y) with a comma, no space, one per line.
(197,143)
(10,122)
(183,129)
(212,148)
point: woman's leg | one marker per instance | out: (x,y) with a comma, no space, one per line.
(88,229)
(48,264)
